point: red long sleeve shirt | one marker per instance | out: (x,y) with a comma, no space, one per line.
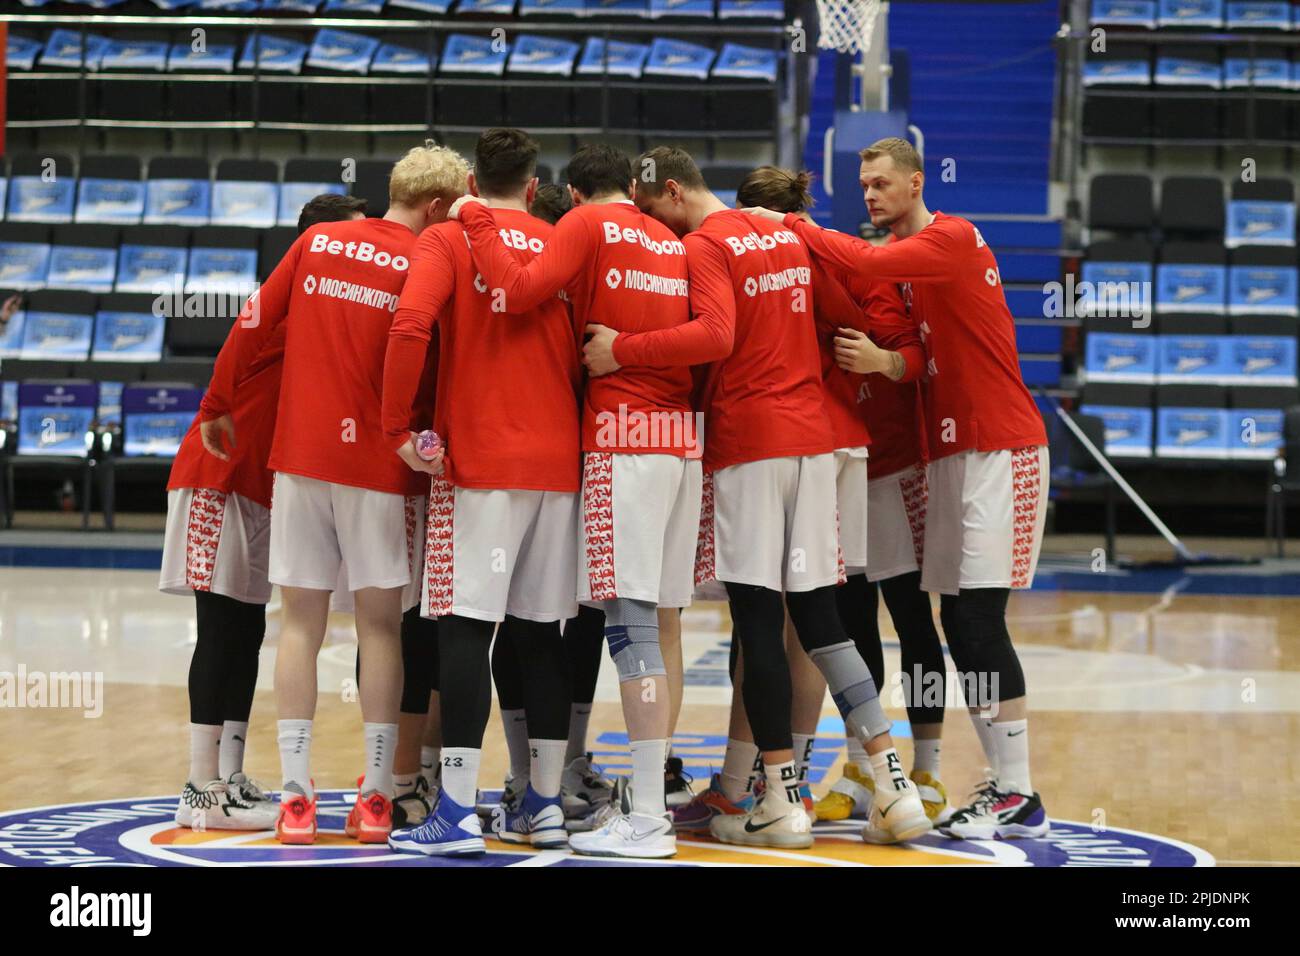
(752,317)
(619,268)
(335,292)
(507,385)
(975,398)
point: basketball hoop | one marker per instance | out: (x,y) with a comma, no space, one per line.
(847,25)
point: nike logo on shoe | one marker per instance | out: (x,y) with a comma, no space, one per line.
(1016,733)
(750,828)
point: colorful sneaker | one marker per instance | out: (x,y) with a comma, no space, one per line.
(450,830)
(999,815)
(535,820)
(708,804)
(979,799)
(215,806)
(297,821)
(774,821)
(934,797)
(850,796)
(635,835)
(677,784)
(411,808)
(371,818)
(809,807)
(583,788)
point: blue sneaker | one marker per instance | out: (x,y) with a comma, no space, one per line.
(535,820)
(450,830)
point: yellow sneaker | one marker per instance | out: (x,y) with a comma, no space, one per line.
(850,796)
(933,796)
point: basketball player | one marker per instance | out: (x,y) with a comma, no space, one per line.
(502,539)
(768,522)
(641,468)
(340,498)
(226,573)
(551,202)
(988,467)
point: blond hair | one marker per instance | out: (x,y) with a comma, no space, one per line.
(902,152)
(426,173)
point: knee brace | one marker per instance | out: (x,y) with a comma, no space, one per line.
(852,689)
(632,630)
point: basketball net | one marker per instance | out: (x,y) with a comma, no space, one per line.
(847,25)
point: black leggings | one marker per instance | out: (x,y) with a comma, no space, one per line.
(465,678)
(584,643)
(528,647)
(975,623)
(223,670)
(419,661)
(759,633)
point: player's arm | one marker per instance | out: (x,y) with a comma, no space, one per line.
(892,333)
(569,250)
(265,309)
(710,333)
(427,291)
(932,255)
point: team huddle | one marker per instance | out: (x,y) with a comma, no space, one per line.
(642,397)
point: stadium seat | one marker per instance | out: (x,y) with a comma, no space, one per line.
(58,325)
(55,419)
(474,58)
(1120,203)
(1262,213)
(275,94)
(1188,67)
(543,65)
(222,260)
(178,191)
(333,87)
(754,72)
(1263,280)
(305,179)
(682,70)
(152,258)
(1191,207)
(1264,70)
(139,51)
(404,103)
(205,101)
(1120,273)
(245,192)
(42,188)
(126,329)
(24,255)
(110,190)
(617,66)
(83,257)
(1192,277)
(1125,67)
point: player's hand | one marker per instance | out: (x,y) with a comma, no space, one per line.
(431,466)
(212,431)
(459,204)
(762,213)
(598,353)
(855,352)
(9,307)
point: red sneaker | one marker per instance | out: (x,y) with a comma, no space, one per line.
(371,818)
(297,821)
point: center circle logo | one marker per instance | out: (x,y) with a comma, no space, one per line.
(141,831)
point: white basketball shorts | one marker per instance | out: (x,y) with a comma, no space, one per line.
(852,502)
(216,541)
(416,506)
(896,519)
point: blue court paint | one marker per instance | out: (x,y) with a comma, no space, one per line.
(124,559)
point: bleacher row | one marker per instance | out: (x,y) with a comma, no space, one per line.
(1192,14)
(1190,313)
(408,9)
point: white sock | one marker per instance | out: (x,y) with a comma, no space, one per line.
(925,756)
(579,717)
(381,748)
(430,765)
(648,776)
(782,781)
(516,728)
(404,782)
(460,774)
(887,770)
(546,766)
(736,767)
(1012,741)
(858,755)
(988,741)
(234,734)
(295,755)
(803,748)
(205,741)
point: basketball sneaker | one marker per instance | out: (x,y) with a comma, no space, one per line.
(636,835)
(896,817)
(297,821)
(450,830)
(710,803)
(371,817)
(583,787)
(215,806)
(849,796)
(999,815)
(410,808)
(809,806)
(677,784)
(774,821)
(934,797)
(510,796)
(535,820)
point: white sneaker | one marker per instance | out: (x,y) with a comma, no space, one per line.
(896,816)
(215,806)
(584,788)
(412,807)
(774,821)
(639,835)
(510,797)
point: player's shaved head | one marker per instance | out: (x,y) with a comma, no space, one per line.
(658,165)
(597,169)
(505,161)
(903,153)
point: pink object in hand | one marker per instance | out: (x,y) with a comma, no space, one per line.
(428,444)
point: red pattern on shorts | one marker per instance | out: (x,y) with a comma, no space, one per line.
(438,549)
(598,523)
(916,495)
(705,558)
(841,576)
(202,535)
(412,505)
(1026,488)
